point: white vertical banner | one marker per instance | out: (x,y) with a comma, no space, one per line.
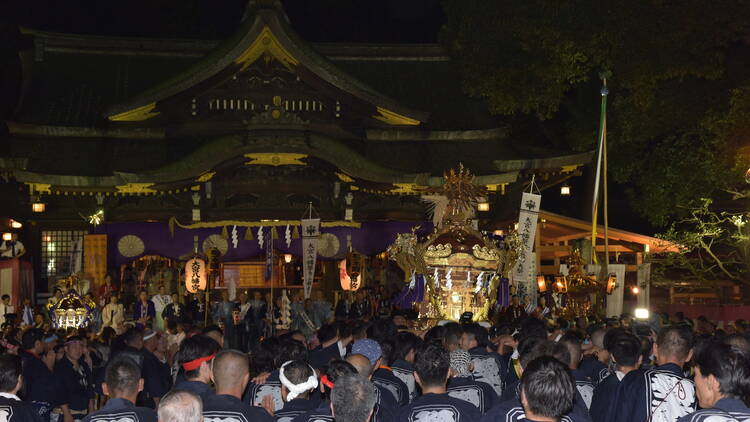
(310,235)
(615,300)
(525,270)
(644,283)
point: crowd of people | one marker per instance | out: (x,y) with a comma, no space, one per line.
(358,361)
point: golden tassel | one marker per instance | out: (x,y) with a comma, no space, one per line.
(274,233)
(224,234)
(249,234)
(295,233)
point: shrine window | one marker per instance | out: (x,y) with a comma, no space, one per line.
(57,249)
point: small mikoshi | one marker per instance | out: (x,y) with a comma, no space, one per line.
(72,310)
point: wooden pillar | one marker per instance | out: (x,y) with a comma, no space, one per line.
(537,245)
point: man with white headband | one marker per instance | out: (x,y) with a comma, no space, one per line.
(156,374)
(298,380)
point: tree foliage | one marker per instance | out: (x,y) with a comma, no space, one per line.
(679,90)
(714,246)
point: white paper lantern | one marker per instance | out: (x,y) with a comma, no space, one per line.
(195,275)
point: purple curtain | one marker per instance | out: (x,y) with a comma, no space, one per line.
(503,293)
(370,239)
(408,296)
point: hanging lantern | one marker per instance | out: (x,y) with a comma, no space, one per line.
(565,190)
(611,283)
(349,282)
(541,282)
(195,275)
(288,258)
(38,206)
(561,284)
(351,270)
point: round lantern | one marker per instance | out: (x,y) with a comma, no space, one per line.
(195,275)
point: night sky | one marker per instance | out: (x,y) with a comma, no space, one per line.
(390,21)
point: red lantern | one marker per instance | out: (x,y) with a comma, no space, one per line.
(195,275)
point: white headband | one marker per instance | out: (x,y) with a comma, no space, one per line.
(296,390)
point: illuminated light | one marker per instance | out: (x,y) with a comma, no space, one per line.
(541,282)
(288,258)
(15,224)
(38,207)
(747,176)
(96,218)
(483,206)
(7,237)
(561,284)
(47,238)
(515,226)
(195,275)
(611,283)
(641,313)
(565,190)
(647,248)
(456,297)
(636,290)
(499,232)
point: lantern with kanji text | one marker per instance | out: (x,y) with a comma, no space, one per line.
(195,275)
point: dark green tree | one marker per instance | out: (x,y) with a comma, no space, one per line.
(679,86)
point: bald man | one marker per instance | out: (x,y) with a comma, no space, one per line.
(231,373)
(384,398)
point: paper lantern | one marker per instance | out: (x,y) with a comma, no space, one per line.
(483,206)
(38,206)
(561,284)
(541,282)
(195,275)
(288,258)
(611,283)
(349,281)
(565,190)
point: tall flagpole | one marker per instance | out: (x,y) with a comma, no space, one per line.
(600,165)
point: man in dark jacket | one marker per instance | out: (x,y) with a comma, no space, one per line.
(40,388)
(122,382)
(11,380)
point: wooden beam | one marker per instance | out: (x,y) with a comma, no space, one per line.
(566,249)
